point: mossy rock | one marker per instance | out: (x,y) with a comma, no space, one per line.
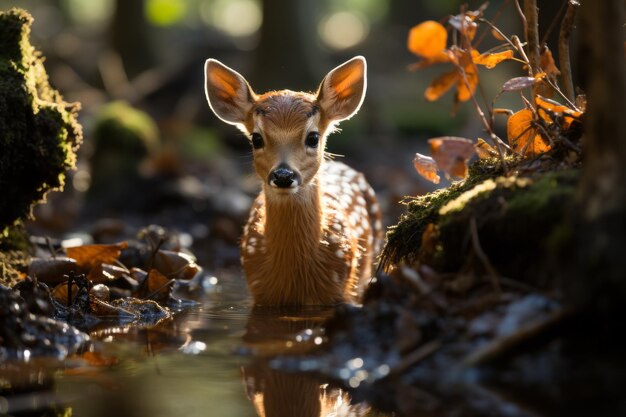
(521,223)
(39,131)
(123,137)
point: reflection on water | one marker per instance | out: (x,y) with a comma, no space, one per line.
(278,394)
(194,366)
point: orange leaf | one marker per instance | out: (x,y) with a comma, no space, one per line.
(156,287)
(497,35)
(544,104)
(485,150)
(451,154)
(428,39)
(547,63)
(426,167)
(466,85)
(491,60)
(522,135)
(88,256)
(440,85)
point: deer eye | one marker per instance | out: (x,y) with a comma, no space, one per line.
(257,141)
(312,139)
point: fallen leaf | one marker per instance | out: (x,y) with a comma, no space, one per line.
(428,39)
(522,135)
(519,83)
(156,287)
(61,293)
(452,154)
(104,273)
(89,256)
(491,60)
(98,360)
(426,167)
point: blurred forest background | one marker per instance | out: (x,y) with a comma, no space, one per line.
(119,56)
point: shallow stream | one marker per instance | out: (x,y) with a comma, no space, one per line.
(208,361)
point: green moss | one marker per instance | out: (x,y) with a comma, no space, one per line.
(404,239)
(123,137)
(518,220)
(39,132)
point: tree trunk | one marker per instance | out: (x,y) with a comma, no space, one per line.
(599,283)
(288,55)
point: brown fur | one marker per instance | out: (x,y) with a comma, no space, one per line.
(312,244)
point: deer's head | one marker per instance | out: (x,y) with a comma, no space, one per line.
(287,129)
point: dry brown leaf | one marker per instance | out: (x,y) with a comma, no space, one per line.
(522,135)
(61,293)
(104,273)
(452,154)
(156,287)
(547,63)
(491,60)
(428,39)
(89,256)
(426,167)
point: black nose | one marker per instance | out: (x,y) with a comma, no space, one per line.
(282,177)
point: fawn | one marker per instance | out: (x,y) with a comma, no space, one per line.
(316,225)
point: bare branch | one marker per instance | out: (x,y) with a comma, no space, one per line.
(564,56)
(532,37)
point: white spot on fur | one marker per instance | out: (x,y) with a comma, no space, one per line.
(250,249)
(360,201)
(374,208)
(339,254)
(378,225)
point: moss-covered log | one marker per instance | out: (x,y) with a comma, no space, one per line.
(521,225)
(39,131)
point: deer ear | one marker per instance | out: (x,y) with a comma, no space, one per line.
(342,91)
(228,93)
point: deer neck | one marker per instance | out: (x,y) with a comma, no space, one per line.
(293,224)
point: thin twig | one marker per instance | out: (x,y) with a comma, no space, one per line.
(478,250)
(546,35)
(564,56)
(416,356)
(532,38)
(507,345)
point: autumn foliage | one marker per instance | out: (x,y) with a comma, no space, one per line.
(536,128)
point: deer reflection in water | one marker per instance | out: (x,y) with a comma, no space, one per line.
(272,331)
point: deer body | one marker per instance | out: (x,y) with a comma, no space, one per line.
(315,227)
